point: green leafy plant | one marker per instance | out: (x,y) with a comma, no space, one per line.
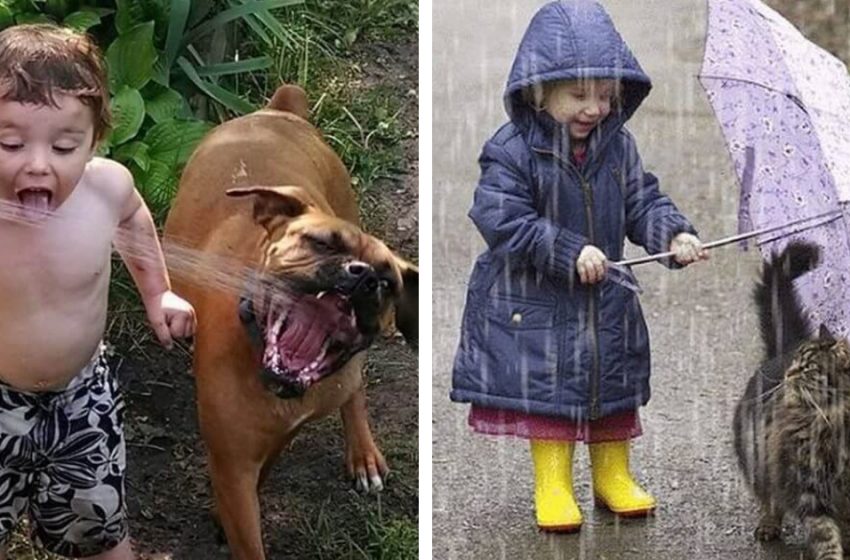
(159,54)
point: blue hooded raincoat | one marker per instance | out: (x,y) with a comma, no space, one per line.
(534,339)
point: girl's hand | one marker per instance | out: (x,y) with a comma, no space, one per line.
(171,317)
(591,265)
(688,249)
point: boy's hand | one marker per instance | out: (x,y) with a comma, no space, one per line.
(591,265)
(688,249)
(171,317)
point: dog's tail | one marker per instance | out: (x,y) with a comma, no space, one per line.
(291,99)
(781,318)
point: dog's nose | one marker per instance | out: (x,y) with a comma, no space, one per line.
(357,268)
(362,276)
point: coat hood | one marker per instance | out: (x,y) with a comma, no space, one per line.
(573,39)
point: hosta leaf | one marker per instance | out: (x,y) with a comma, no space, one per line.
(174,141)
(130,14)
(136,152)
(81,21)
(6,17)
(128,112)
(131,57)
(158,184)
(164,105)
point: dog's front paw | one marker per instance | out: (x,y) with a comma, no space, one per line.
(366,466)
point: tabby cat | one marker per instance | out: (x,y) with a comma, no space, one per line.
(792,425)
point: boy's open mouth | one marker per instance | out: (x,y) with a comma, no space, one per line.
(310,337)
(35,202)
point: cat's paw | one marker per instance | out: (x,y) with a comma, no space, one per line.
(768,531)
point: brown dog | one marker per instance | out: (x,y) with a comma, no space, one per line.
(267,190)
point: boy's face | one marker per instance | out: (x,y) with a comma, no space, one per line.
(579,104)
(43,152)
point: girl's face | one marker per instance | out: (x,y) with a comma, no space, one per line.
(579,104)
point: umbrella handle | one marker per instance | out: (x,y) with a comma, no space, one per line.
(828,217)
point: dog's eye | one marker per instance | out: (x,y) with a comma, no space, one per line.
(320,244)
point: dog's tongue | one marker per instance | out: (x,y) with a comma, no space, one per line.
(309,324)
(301,343)
(35,203)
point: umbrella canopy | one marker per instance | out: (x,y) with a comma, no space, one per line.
(783,104)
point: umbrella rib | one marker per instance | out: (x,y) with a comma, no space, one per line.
(832,215)
(750,82)
(829,219)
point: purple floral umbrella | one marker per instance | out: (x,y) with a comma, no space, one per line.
(783,104)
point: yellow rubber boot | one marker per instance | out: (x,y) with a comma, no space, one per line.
(554,503)
(613,485)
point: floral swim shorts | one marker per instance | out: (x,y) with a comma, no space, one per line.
(62,463)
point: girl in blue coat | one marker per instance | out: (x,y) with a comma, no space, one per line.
(551,348)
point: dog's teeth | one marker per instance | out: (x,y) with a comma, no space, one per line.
(276,359)
(277,325)
(306,370)
(320,295)
(323,352)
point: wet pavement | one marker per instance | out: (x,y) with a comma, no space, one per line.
(702,322)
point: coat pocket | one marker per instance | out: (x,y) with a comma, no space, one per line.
(623,318)
(522,336)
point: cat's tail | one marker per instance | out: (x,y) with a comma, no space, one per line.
(783,325)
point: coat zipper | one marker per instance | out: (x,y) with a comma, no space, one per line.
(592,312)
(587,191)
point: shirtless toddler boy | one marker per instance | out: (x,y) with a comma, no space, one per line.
(62,454)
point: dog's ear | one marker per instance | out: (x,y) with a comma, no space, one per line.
(292,99)
(407,304)
(274,205)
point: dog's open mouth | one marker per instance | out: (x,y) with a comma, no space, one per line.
(308,338)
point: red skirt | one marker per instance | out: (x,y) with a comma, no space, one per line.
(493,421)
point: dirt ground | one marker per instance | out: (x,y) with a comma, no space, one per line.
(309,508)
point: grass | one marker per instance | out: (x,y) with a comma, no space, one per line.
(386,537)
(20,547)
(396,539)
(354,526)
(341,24)
(370,144)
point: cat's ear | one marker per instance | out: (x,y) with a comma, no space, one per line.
(824,334)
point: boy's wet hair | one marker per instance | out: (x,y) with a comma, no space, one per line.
(39,61)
